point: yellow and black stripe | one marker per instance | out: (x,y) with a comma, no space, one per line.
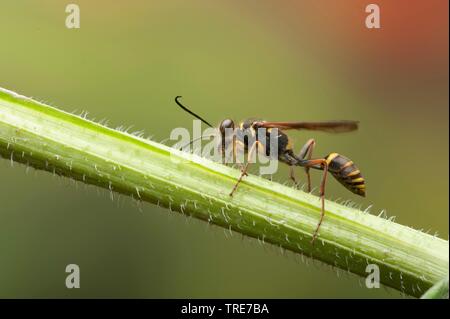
(346,173)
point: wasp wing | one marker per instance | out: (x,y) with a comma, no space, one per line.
(328,126)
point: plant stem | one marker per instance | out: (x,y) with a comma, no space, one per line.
(438,291)
(53,140)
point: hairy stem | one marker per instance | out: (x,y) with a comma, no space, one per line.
(438,291)
(50,139)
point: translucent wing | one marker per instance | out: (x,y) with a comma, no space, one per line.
(328,126)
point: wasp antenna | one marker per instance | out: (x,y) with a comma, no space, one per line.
(193,140)
(190,112)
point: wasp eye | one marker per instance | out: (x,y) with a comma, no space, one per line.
(226,124)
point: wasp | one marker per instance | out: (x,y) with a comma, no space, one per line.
(339,166)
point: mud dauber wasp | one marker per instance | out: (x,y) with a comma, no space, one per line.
(342,168)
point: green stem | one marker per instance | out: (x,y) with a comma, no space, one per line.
(438,291)
(47,138)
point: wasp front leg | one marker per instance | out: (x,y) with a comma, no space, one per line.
(238,149)
(226,147)
(245,168)
(230,153)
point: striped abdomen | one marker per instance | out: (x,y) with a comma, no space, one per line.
(346,173)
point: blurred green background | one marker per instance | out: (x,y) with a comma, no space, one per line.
(278,60)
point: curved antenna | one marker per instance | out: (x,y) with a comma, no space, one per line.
(190,112)
(193,140)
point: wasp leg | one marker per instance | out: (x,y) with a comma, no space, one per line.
(323,164)
(291,160)
(223,150)
(292,175)
(236,157)
(306,152)
(244,170)
(241,167)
